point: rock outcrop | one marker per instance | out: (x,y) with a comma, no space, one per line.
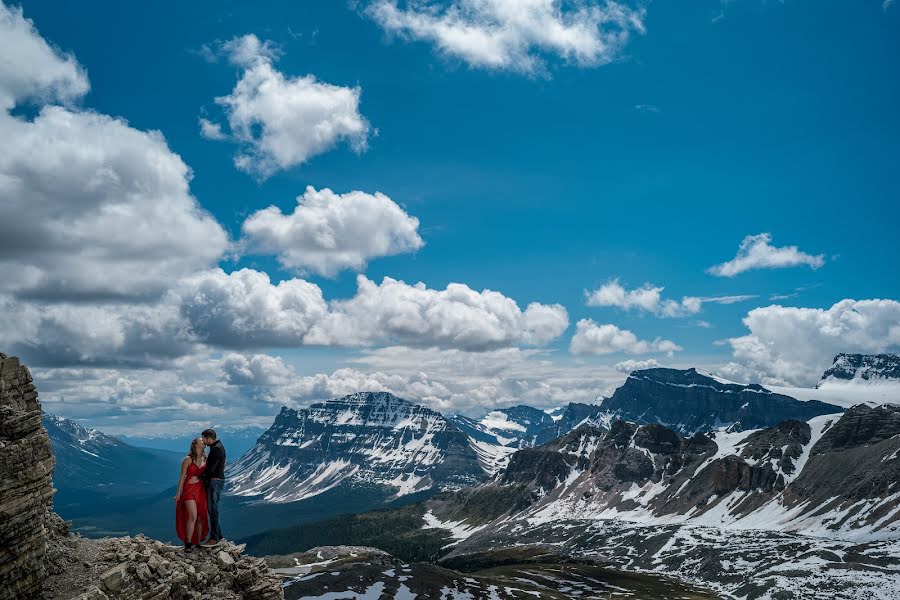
(140,567)
(26,491)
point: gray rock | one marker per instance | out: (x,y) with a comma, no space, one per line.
(114,579)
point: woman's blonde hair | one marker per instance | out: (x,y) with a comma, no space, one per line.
(192,453)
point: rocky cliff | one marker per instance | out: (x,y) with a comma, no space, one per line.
(690,401)
(26,491)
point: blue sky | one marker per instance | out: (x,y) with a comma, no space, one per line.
(542,178)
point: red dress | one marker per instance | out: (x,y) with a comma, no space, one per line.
(197,493)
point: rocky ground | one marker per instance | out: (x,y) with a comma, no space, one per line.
(749,564)
(139,567)
(353,572)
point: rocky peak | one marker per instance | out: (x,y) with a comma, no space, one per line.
(365,438)
(690,401)
(863,368)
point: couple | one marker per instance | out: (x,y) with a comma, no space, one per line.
(199,488)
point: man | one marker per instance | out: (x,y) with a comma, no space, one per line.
(214,478)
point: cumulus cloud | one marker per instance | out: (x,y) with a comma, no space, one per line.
(284,121)
(89,207)
(245,309)
(457,317)
(30,69)
(627,366)
(328,232)
(756,252)
(789,345)
(649,298)
(514,35)
(256,369)
(104,334)
(591,338)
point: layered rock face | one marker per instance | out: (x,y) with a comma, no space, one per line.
(864,368)
(26,491)
(366,438)
(691,402)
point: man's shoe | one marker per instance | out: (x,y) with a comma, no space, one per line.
(210,543)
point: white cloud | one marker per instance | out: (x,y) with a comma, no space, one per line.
(89,207)
(648,298)
(788,345)
(93,334)
(591,338)
(211,131)
(284,121)
(245,309)
(514,35)
(627,366)
(457,317)
(256,369)
(328,232)
(756,252)
(30,69)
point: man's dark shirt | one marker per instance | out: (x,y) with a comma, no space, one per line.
(215,463)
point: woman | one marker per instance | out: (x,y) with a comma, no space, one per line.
(191,522)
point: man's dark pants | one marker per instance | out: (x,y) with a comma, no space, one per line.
(213,490)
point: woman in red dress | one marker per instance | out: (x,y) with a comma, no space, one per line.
(191,522)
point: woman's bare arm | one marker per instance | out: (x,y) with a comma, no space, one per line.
(184,468)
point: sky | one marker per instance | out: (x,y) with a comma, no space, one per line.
(209,212)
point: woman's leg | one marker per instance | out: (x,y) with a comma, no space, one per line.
(191,507)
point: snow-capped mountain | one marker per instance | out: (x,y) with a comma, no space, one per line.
(690,401)
(90,460)
(501,432)
(862,368)
(370,439)
(836,476)
(647,496)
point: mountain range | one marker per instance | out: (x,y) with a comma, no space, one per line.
(809,504)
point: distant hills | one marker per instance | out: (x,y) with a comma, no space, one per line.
(97,473)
